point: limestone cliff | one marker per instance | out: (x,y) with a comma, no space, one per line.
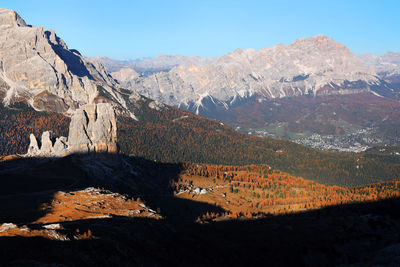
(38,68)
(93,128)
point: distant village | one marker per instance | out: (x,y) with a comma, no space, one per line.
(355,142)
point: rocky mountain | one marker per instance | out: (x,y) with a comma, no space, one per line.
(309,66)
(386,66)
(37,67)
(113,65)
(125,76)
(149,66)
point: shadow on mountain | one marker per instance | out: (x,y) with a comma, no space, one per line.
(74,62)
(28,183)
(360,234)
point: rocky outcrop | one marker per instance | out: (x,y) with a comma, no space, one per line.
(50,146)
(93,128)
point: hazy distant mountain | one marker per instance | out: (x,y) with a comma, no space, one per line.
(149,66)
(115,65)
(316,66)
(386,66)
(125,76)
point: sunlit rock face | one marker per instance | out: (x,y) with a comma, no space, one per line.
(49,146)
(309,66)
(38,68)
(93,128)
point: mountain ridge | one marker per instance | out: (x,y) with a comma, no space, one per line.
(148,66)
(316,65)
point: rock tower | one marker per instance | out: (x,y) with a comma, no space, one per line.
(93,128)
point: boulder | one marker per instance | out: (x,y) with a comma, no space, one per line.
(197,190)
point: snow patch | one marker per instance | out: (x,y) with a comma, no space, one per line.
(378,95)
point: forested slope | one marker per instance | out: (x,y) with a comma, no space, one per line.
(19,120)
(169,134)
(173,135)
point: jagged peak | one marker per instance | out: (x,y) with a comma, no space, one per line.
(316,39)
(238,50)
(11,18)
(321,37)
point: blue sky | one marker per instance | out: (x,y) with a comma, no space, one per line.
(131,29)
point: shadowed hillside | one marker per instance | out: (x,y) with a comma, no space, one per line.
(358,233)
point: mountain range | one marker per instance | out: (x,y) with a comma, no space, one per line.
(309,66)
(61,80)
(255,92)
(149,66)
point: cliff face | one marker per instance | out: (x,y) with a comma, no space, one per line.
(93,128)
(38,68)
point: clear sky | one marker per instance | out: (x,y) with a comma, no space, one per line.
(131,29)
